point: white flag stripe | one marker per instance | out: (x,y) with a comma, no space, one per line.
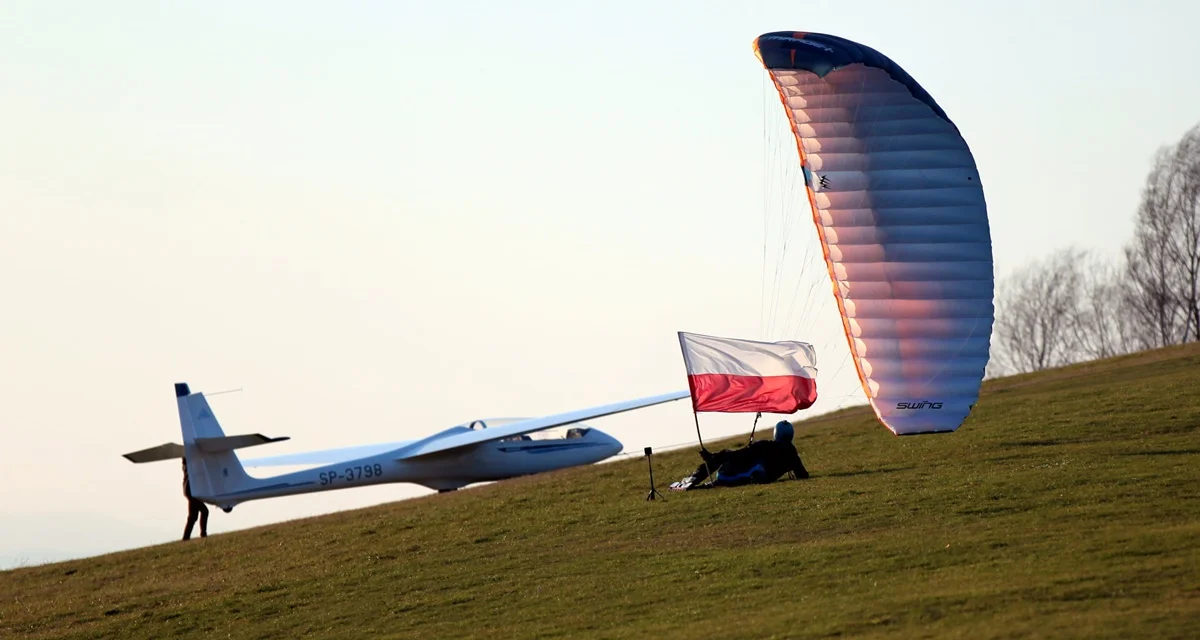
(705,355)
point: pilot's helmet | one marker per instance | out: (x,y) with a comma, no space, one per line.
(783,431)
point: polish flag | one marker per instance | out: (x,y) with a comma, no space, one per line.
(727,375)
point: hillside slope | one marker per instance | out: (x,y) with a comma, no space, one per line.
(1065,507)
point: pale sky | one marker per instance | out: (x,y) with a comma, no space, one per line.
(382,219)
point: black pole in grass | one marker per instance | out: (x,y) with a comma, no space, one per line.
(650,467)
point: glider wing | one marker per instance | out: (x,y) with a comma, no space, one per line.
(464,437)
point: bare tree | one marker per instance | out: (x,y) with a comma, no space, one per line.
(1163,259)
(1185,248)
(997,366)
(1103,323)
(1036,311)
(1074,305)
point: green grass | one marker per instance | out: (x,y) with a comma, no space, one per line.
(1066,507)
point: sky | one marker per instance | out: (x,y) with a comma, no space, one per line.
(375,220)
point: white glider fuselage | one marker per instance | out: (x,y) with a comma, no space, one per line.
(451,469)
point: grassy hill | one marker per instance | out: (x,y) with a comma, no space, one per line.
(1066,506)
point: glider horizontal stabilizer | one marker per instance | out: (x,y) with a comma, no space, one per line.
(168,451)
(173,450)
(229,443)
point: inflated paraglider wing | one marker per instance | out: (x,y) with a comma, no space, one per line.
(900,212)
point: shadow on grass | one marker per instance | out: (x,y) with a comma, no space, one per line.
(1163,452)
(1042,443)
(864,472)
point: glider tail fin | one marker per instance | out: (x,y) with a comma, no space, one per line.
(211,474)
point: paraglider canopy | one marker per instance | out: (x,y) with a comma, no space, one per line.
(900,214)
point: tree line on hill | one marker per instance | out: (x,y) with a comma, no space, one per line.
(1075,305)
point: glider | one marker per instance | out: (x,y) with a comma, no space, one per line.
(902,221)
(446,460)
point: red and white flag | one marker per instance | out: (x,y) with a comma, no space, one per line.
(727,375)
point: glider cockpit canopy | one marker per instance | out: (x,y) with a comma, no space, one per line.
(563,432)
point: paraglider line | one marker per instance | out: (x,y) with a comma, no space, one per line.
(762,296)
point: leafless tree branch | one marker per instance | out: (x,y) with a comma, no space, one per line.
(1163,259)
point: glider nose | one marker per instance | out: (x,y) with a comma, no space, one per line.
(609,445)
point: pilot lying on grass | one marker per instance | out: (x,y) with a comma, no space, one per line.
(760,462)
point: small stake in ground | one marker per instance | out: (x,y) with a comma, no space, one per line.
(650,467)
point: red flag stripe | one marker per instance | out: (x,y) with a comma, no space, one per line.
(720,392)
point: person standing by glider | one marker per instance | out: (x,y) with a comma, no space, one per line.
(196,509)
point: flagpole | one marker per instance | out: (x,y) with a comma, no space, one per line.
(703,451)
(696,417)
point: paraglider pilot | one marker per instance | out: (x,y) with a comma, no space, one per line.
(761,462)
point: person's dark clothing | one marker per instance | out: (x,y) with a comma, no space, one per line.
(760,462)
(196,509)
